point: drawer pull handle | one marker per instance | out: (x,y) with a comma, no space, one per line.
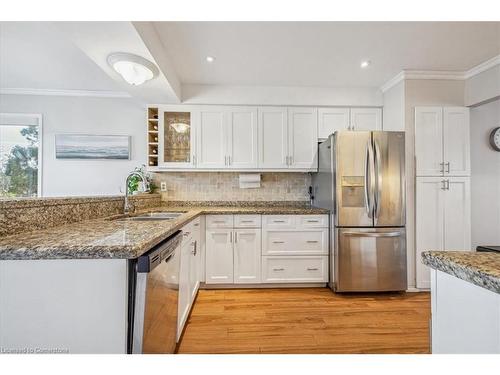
(313,221)
(278,269)
(278,221)
(219,221)
(186,234)
(312,241)
(312,269)
(247,221)
(278,241)
(197,224)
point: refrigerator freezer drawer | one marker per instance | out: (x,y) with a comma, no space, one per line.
(370,259)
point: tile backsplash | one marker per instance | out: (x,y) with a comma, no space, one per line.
(224,186)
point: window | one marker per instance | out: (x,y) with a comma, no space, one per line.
(20,155)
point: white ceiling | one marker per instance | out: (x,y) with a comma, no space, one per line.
(322,53)
(37,55)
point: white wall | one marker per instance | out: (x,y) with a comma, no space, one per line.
(422,93)
(83,115)
(281,95)
(485,181)
(394,108)
(483,86)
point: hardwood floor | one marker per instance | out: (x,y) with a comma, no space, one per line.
(312,320)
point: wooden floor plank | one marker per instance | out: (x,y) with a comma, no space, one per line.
(309,320)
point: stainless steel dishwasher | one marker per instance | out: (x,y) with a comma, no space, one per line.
(153,298)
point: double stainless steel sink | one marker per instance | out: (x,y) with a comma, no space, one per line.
(152,216)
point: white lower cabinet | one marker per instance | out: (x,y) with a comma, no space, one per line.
(247,257)
(442,219)
(189,271)
(219,256)
(294,269)
(288,248)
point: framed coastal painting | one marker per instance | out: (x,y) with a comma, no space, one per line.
(81,146)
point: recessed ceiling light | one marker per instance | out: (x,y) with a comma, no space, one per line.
(210,59)
(134,69)
(365,64)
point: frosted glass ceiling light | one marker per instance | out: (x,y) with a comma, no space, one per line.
(134,69)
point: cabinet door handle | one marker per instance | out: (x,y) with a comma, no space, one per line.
(194,247)
(441,169)
(312,269)
(219,221)
(447,184)
(278,221)
(229,160)
(313,221)
(278,241)
(194,159)
(447,167)
(235,237)
(311,241)
(197,224)
(443,184)
(247,221)
(278,269)
(186,234)
(231,237)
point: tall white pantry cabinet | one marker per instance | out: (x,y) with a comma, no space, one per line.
(443,183)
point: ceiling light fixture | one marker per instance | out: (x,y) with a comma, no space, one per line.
(365,64)
(210,59)
(134,69)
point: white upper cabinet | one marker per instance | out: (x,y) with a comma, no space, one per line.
(366,119)
(456,146)
(429,141)
(173,132)
(211,138)
(303,138)
(442,141)
(332,119)
(242,138)
(273,137)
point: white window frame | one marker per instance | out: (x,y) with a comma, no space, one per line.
(28,119)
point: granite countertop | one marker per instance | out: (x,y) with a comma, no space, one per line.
(107,238)
(481,269)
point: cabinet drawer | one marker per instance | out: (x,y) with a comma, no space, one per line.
(219,221)
(247,221)
(279,221)
(298,269)
(313,221)
(295,243)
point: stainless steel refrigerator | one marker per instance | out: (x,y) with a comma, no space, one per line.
(361,180)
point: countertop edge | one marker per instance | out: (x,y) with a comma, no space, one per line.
(464,272)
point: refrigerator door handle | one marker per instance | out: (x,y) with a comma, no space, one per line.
(378,180)
(372,234)
(367,181)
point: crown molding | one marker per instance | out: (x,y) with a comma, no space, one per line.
(56,92)
(440,74)
(393,81)
(488,64)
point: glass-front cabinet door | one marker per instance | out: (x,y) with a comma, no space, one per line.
(176,138)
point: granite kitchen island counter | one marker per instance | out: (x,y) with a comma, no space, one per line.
(465,301)
(481,269)
(111,238)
